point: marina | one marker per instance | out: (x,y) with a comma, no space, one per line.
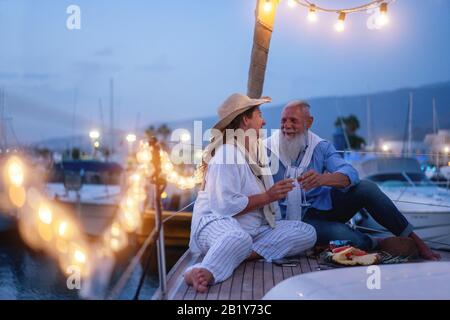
(118,183)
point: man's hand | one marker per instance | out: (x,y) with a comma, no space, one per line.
(311,179)
(280,189)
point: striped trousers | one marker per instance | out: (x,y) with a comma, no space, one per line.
(226,245)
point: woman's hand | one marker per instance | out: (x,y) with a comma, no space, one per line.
(279,190)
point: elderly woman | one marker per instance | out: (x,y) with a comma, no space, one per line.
(235,214)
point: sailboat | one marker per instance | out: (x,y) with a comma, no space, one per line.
(424,204)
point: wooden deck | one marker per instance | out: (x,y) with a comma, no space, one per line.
(250,281)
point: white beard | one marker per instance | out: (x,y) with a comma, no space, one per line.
(290,148)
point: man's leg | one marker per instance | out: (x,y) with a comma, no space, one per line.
(333,230)
(368,195)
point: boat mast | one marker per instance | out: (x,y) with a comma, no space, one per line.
(435,118)
(74,113)
(260,51)
(2,119)
(111,115)
(410,133)
(369,122)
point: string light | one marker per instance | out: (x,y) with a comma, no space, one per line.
(131,137)
(340,24)
(291,3)
(312,14)
(15,171)
(56,233)
(383,18)
(268,6)
(45,214)
(94,134)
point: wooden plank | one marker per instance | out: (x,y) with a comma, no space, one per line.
(213,292)
(258,280)
(287,272)
(304,264)
(225,288)
(202,296)
(190,293)
(297,269)
(236,286)
(182,291)
(277,274)
(247,284)
(313,263)
(267,276)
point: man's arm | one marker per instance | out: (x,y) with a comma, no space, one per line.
(339,173)
(313,179)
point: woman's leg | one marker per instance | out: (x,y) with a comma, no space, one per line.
(226,245)
(288,238)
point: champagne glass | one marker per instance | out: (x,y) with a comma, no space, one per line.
(290,173)
(303,202)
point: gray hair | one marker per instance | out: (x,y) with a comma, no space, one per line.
(303,105)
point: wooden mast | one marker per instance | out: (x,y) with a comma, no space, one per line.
(264,21)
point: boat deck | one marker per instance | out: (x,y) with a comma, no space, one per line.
(250,281)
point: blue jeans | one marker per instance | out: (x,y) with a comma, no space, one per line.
(331,224)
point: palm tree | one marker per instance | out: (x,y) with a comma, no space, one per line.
(350,125)
(164,131)
(150,132)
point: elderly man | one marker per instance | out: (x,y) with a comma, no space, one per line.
(333,188)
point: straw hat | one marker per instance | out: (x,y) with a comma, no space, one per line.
(235,105)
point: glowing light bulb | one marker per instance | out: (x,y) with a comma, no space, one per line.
(340,24)
(131,138)
(164,195)
(268,6)
(94,134)
(45,214)
(62,229)
(144,156)
(385,147)
(383,18)
(312,14)
(115,230)
(135,178)
(291,3)
(167,167)
(446,149)
(15,172)
(79,256)
(185,137)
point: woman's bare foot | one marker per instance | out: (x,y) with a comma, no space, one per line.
(424,251)
(253,256)
(199,278)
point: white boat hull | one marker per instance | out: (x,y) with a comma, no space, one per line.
(410,281)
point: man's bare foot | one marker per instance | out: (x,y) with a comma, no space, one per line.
(424,251)
(427,253)
(199,278)
(399,246)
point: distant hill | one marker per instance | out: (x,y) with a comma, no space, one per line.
(388,110)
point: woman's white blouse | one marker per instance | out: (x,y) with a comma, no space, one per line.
(229,183)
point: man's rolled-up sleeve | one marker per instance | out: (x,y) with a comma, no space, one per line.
(224,190)
(334,163)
